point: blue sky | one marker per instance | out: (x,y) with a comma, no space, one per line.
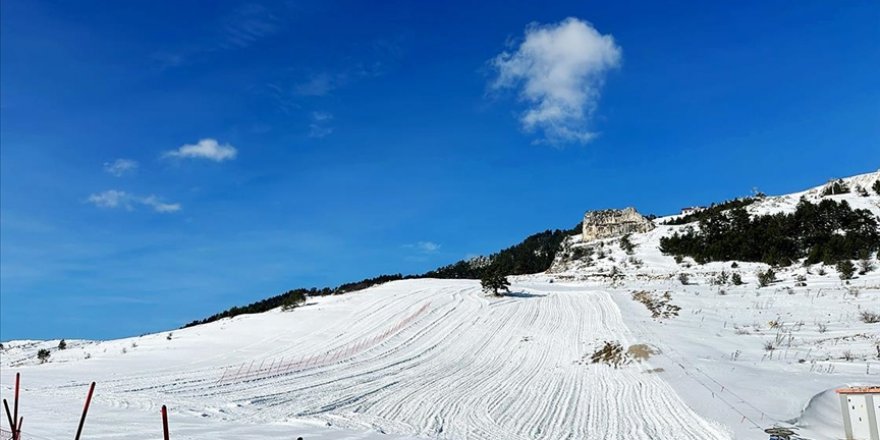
(162,161)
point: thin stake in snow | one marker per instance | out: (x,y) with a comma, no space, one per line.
(82,420)
(14,420)
(165,422)
(17,428)
(9,416)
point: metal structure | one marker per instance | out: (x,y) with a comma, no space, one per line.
(861,411)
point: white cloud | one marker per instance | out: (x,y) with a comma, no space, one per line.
(120,167)
(158,206)
(120,199)
(425,247)
(319,128)
(110,199)
(558,70)
(205,149)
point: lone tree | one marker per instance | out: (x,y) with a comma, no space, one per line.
(293,299)
(62,345)
(43,355)
(493,281)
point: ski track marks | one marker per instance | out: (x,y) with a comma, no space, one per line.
(458,365)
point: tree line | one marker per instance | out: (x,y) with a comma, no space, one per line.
(532,255)
(826,232)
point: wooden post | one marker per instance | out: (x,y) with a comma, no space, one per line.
(82,420)
(165,422)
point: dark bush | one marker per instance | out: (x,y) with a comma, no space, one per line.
(767,277)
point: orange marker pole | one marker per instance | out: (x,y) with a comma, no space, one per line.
(82,420)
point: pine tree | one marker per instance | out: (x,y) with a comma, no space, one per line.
(845,269)
(43,355)
(493,281)
(876,186)
(766,278)
(626,244)
(62,345)
(736,279)
(865,266)
(292,300)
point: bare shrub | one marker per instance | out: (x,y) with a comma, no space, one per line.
(870,317)
(660,307)
(684,278)
(611,353)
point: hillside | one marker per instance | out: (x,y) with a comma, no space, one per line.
(702,357)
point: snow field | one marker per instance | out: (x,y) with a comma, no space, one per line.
(469,366)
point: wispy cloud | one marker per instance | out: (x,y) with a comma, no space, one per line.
(207,148)
(425,247)
(239,28)
(319,127)
(248,24)
(319,84)
(120,199)
(558,70)
(159,206)
(373,60)
(120,167)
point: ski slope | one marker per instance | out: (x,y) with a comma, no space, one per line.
(440,359)
(467,366)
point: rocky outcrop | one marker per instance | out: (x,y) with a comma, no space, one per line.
(609,223)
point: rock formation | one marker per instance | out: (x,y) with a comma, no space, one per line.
(609,223)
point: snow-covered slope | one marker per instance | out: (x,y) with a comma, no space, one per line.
(440,359)
(461,366)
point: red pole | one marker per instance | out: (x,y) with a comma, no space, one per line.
(82,421)
(165,422)
(15,405)
(17,435)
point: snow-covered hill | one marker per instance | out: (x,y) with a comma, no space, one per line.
(440,359)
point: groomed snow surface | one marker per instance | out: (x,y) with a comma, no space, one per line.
(441,359)
(468,366)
